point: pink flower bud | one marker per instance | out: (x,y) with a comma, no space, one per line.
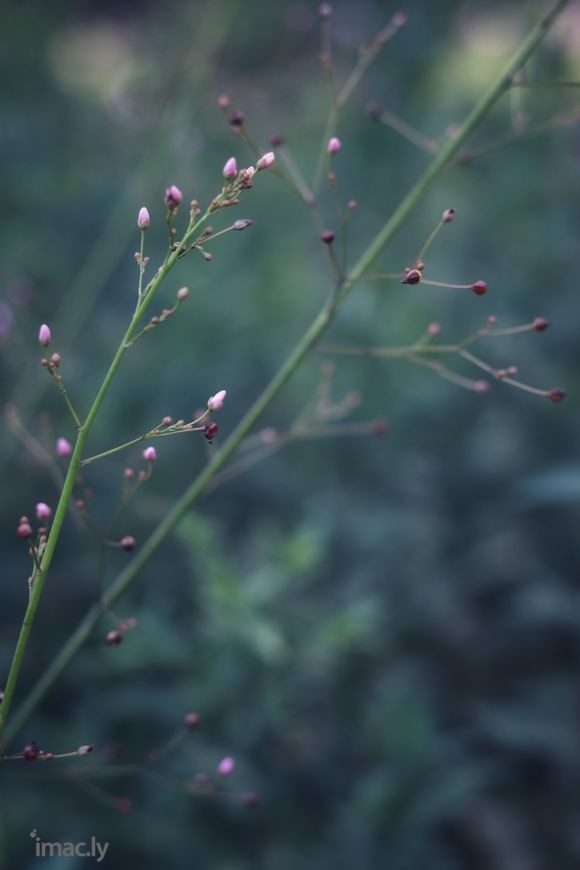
(226,766)
(84,750)
(143,219)
(334,145)
(214,403)
(434,329)
(44,335)
(173,197)
(182,294)
(43,511)
(128,543)
(63,448)
(266,161)
(24,529)
(149,454)
(191,720)
(224,101)
(230,169)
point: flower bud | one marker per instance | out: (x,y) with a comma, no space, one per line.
(224,101)
(191,720)
(237,119)
(556,394)
(63,448)
(327,237)
(243,223)
(24,529)
(334,145)
(84,750)
(540,324)
(114,638)
(325,10)
(44,335)
(210,430)
(226,766)
(55,360)
(43,511)
(182,294)
(214,403)
(173,197)
(149,454)
(276,140)
(412,276)
(143,219)
(479,288)
(266,160)
(230,169)
(128,543)
(482,387)
(434,329)
(31,751)
(448,215)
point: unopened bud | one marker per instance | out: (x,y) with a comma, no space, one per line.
(412,276)
(114,638)
(143,219)
(334,145)
(55,360)
(243,223)
(276,140)
(128,473)
(149,454)
(448,215)
(44,335)
(327,237)
(556,395)
(191,720)
(84,750)
(43,511)
(399,20)
(24,529)
(266,160)
(237,119)
(167,421)
(224,101)
(325,10)
(128,543)
(434,329)
(173,197)
(63,448)
(226,766)
(230,169)
(214,403)
(540,324)
(31,751)
(479,288)
(482,387)
(210,431)
(182,294)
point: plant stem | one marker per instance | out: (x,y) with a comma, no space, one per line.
(311,336)
(36,588)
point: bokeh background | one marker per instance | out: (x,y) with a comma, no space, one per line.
(384,633)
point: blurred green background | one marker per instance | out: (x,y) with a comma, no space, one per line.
(384,633)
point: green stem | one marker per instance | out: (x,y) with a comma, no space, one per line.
(35,593)
(311,336)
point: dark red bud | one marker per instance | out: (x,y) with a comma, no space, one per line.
(128,543)
(24,529)
(413,276)
(540,324)
(210,430)
(479,288)
(556,395)
(237,119)
(31,751)
(277,140)
(114,638)
(327,237)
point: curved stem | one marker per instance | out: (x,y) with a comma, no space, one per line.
(311,336)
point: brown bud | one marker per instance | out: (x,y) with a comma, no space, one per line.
(412,276)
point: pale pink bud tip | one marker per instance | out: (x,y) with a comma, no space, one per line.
(434,329)
(63,448)
(44,335)
(149,454)
(182,294)
(230,169)
(266,161)
(84,750)
(143,220)
(224,101)
(226,766)
(173,197)
(214,403)
(334,145)
(43,511)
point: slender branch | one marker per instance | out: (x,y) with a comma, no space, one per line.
(319,325)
